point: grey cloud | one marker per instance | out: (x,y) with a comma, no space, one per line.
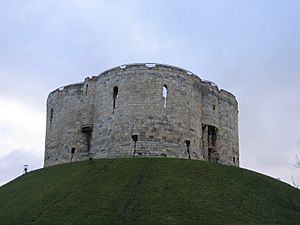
(11,165)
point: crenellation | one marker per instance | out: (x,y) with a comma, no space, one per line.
(142,110)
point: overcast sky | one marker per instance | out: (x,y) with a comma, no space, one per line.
(250,49)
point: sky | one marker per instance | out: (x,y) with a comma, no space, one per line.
(250,48)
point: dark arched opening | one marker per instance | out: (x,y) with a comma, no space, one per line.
(115,96)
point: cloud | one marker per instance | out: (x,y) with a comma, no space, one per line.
(22,135)
(20,127)
(11,165)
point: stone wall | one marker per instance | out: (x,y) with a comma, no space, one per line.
(142,110)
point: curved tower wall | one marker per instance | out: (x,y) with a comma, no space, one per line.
(140,111)
(72,107)
(124,112)
(228,117)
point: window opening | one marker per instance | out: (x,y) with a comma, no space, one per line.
(72,153)
(165,95)
(51,114)
(233,159)
(115,96)
(86,89)
(212,136)
(134,138)
(209,142)
(214,107)
(87,130)
(188,143)
(212,139)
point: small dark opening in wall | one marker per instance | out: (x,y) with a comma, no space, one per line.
(51,114)
(212,135)
(115,96)
(188,144)
(233,160)
(87,129)
(86,89)
(214,107)
(72,153)
(134,138)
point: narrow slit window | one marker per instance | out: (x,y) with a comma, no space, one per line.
(72,153)
(115,96)
(51,114)
(165,95)
(86,89)
(135,139)
(188,144)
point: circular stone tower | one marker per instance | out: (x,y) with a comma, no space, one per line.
(142,110)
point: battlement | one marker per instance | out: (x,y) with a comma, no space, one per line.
(142,110)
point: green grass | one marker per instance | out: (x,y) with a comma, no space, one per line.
(147,191)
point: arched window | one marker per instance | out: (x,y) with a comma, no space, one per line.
(115,96)
(165,95)
(51,114)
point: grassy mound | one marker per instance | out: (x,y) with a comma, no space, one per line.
(147,191)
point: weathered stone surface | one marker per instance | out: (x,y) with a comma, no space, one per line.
(123,113)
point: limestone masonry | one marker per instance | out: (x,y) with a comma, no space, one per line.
(142,110)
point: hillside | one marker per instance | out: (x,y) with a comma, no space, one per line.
(147,191)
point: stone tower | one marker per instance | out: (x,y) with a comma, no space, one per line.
(142,110)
